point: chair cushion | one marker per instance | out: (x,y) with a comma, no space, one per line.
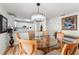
(55,52)
(27,48)
(40,52)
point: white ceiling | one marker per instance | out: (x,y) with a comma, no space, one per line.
(51,10)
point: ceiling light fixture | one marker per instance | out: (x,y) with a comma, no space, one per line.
(38,17)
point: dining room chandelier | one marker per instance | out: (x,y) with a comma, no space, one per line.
(38,17)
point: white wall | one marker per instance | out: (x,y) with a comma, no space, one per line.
(3,42)
(3,36)
(54,25)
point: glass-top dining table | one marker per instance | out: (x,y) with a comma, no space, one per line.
(46,43)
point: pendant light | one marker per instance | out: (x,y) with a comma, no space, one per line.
(38,17)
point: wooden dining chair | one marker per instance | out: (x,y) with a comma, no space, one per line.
(60,37)
(31,34)
(68,49)
(45,38)
(27,47)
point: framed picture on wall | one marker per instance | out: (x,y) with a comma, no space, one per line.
(69,23)
(3,24)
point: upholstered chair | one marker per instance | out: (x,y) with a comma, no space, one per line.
(60,37)
(28,47)
(68,49)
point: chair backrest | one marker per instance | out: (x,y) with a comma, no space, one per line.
(31,34)
(45,33)
(60,36)
(18,36)
(26,46)
(29,46)
(45,39)
(69,49)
